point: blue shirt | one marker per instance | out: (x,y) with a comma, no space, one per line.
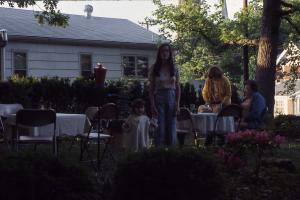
(256,111)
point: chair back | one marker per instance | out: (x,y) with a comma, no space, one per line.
(109,111)
(91,112)
(183,115)
(232,110)
(35,117)
(1,126)
(8,109)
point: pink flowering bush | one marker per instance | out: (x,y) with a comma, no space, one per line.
(247,148)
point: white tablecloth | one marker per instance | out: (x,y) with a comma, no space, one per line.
(204,122)
(66,124)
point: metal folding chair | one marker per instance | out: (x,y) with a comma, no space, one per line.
(232,110)
(5,111)
(185,115)
(8,109)
(99,132)
(3,136)
(36,118)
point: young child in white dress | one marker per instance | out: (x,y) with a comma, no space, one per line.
(136,128)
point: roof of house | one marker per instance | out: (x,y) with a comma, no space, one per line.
(21,25)
(280,89)
(284,53)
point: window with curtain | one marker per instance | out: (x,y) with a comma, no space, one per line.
(135,66)
(20,63)
(86,65)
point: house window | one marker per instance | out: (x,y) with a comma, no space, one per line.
(20,63)
(279,108)
(86,65)
(135,66)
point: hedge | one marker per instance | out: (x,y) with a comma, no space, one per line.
(74,97)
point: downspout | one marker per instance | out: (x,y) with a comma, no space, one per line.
(2,64)
(3,43)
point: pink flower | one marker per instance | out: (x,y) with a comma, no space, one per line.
(235,161)
(279,140)
(262,138)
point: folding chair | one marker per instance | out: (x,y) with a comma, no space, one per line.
(90,113)
(3,137)
(99,131)
(36,118)
(5,111)
(232,110)
(185,115)
(8,109)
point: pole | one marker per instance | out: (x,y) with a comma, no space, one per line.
(246,48)
(2,63)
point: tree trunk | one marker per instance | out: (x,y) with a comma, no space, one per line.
(246,47)
(267,52)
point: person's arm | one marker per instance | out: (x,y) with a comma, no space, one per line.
(178,91)
(205,91)
(126,126)
(227,87)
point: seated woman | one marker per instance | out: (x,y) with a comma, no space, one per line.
(217,90)
(254,106)
(136,128)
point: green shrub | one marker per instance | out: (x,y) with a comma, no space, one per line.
(168,174)
(65,96)
(39,176)
(287,125)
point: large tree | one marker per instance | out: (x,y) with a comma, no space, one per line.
(203,38)
(49,14)
(198,38)
(273,12)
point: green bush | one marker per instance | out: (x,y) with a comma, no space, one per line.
(287,125)
(65,96)
(39,176)
(168,174)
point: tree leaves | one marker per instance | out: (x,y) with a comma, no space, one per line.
(50,15)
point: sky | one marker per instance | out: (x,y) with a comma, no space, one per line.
(134,10)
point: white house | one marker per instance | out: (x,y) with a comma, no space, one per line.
(287,103)
(123,47)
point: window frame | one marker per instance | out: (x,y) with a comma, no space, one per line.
(136,76)
(80,67)
(13,60)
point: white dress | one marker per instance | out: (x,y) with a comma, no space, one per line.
(136,135)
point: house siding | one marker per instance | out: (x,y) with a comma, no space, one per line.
(64,60)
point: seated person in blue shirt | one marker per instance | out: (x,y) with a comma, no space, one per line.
(254,106)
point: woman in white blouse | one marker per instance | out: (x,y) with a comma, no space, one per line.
(165,95)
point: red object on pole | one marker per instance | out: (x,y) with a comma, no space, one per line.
(100,73)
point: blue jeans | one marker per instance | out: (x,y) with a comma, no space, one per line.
(165,101)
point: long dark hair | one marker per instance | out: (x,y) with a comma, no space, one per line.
(158,62)
(215,72)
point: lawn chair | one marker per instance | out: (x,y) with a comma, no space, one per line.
(185,115)
(3,137)
(232,110)
(5,111)
(99,131)
(8,109)
(36,118)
